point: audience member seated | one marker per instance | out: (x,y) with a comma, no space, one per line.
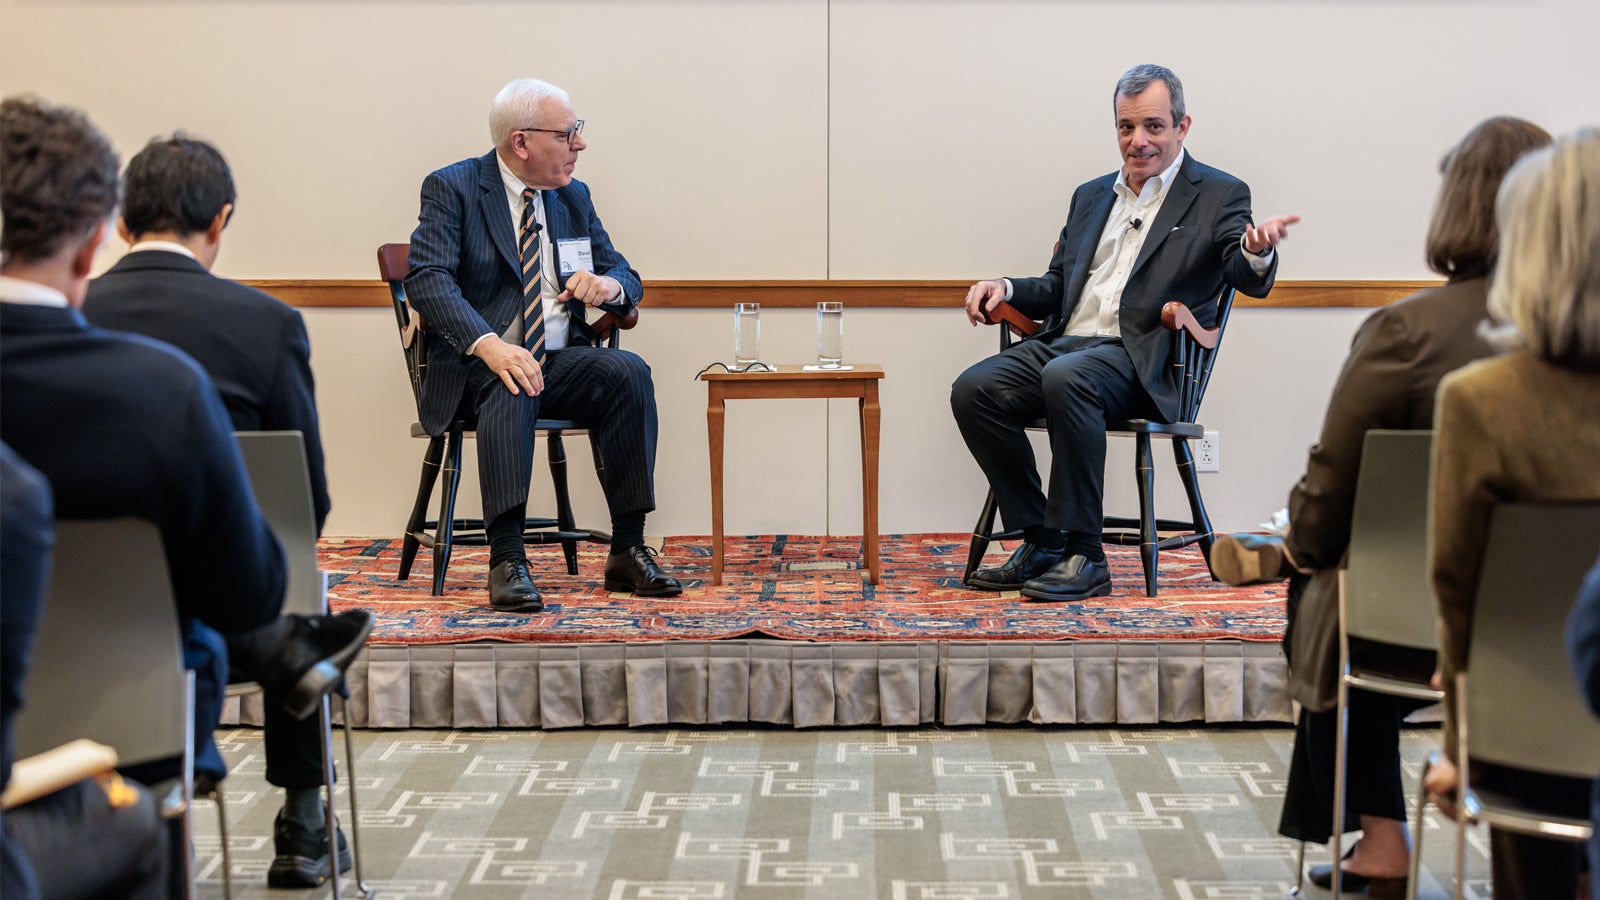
(1102,352)
(1389,380)
(92,838)
(72,391)
(178,196)
(1524,426)
(1583,643)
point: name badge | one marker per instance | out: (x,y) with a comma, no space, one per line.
(575,255)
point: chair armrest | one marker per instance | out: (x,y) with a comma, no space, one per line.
(609,322)
(1177,317)
(1003,313)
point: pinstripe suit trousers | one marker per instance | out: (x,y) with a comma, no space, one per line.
(609,392)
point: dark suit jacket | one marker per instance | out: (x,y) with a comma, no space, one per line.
(1583,644)
(252,345)
(1192,248)
(122,425)
(1389,381)
(465,275)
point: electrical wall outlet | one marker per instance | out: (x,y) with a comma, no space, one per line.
(1208,453)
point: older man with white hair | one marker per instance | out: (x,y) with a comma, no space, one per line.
(507,259)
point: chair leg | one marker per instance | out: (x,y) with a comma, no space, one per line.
(1197,504)
(980,536)
(1416,833)
(350,789)
(325,734)
(419,509)
(1299,871)
(447,510)
(1144,463)
(222,832)
(1340,750)
(557,451)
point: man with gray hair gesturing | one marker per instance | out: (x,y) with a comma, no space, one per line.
(507,258)
(1164,227)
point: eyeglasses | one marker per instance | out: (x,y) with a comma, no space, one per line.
(567,134)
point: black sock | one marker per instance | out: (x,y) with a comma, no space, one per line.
(627,531)
(505,535)
(304,805)
(1044,538)
(1088,545)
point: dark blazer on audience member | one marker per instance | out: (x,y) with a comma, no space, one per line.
(27,537)
(1191,249)
(1388,382)
(1583,643)
(464,270)
(252,345)
(122,425)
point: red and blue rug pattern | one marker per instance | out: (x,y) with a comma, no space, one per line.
(791,587)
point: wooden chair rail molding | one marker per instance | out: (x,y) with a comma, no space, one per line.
(356,292)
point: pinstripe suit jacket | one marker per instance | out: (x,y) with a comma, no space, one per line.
(465,276)
(1191,249)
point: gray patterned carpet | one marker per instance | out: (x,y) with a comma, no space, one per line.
(925,814)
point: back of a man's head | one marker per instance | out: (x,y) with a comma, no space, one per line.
(175,185)
(58,178)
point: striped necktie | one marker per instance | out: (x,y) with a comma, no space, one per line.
(532,278)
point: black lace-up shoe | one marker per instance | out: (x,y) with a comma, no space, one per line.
(511,588)
(301,859)
(636,571)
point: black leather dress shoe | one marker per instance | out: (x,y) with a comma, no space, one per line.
(1027,562)
(511,588)
(1322,877)
(636,571)
(301,859)
(297,659)
(1073,578)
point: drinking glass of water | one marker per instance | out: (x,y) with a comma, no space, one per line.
(746,334)
(830,334)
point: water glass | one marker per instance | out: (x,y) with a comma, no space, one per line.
(746,334)
(830,334)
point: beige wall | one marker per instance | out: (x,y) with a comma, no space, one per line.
(815,139)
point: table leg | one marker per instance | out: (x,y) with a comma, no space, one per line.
(869,478)
(715,410)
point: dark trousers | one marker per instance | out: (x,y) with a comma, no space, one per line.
(1075,384)
(1372,783)
(79,845)
(609,391)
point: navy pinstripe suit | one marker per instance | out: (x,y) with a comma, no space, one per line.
(465,282)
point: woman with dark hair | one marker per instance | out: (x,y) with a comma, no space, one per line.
(1395,363)
(1523,426)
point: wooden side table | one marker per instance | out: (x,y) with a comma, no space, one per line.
(794,382)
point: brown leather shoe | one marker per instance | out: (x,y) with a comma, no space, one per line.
(1243,559)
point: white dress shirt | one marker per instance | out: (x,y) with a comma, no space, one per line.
(555,313)
(30,293)
(1098,307)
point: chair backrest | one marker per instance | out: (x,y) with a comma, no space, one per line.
(1523,706)
(276,461)
(394,262)
(107,661)
(1387,594)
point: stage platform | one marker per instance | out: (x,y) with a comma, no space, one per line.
(796,636)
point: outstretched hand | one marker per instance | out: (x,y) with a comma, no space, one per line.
(1260,239)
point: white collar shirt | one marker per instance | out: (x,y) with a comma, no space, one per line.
(1120,242)
(30,293)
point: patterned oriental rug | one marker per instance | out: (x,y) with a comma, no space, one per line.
(796,636)
(792,587)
